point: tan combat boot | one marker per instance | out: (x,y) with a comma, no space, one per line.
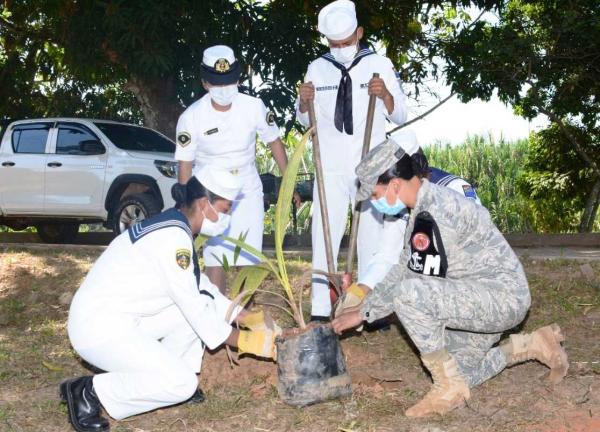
(542,345)
(449,390)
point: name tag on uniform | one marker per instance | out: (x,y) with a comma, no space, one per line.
(364,85)
(211,131)
(325,88)
(427,254)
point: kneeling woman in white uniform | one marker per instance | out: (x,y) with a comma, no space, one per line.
(220,130)
(144,313)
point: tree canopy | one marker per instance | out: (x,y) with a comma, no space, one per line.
(139,61)
(542,57)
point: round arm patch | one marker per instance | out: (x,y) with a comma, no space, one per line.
(183,257)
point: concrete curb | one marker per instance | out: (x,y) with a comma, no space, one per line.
(304,240)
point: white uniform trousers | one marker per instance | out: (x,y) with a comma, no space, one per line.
(152,361)
(340,191)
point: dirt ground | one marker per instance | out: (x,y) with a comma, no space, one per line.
(35,356)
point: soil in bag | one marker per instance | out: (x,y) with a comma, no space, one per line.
(311,367)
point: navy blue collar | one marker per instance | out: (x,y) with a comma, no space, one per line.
(168,218)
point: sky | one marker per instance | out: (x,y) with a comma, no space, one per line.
(454,121)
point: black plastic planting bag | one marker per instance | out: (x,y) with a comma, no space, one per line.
(311,367)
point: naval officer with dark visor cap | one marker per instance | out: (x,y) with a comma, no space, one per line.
(220,130)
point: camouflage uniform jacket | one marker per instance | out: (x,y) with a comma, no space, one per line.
(450,237)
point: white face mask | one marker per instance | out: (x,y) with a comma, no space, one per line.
(214,229)
(223,95)
(345,54)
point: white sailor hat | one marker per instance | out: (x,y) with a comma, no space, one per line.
(337,20)
(406,140)
(219,65)
(219,181)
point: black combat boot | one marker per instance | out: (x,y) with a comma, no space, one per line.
(197,397)
(83,405)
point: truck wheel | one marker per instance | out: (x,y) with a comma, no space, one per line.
(57,232)
(133,209)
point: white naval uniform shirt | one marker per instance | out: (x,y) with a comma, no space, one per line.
(392,238)
(341,152)
(224,139)
(135,280)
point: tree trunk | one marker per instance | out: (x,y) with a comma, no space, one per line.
(158,102)
(591,209)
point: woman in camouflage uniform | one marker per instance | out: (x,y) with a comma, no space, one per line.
(458,286)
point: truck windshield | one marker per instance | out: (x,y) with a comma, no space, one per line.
(136,138)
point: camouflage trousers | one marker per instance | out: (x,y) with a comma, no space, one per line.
(465,317)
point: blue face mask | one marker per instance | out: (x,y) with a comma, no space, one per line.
(382,206)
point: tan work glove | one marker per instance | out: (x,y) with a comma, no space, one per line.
(259,320)
(258,342)
(351,298)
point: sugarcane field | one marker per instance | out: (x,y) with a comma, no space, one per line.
(300,215)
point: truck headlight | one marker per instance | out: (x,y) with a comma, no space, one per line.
(167,168)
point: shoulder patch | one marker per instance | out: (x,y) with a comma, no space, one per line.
(469,191)
(183,257)
(270,118)
(183,138)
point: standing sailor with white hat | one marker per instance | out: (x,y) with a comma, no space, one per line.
(220,130)
(145,313)
(340,83)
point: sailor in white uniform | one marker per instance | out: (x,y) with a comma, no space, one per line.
(340,83)
(220,130)
(145,313)
(394,226)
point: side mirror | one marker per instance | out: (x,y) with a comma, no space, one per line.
(91,147)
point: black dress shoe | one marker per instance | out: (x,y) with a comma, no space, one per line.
(83,405)
(381,325)
(320,319)
(197,397)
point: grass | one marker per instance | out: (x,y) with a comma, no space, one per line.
(245,398)
(493,166)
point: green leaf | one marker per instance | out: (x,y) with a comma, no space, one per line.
(222,262)
(258,254)
(225,263)
(200,240)
(238,248)
(282,209)
(249,278)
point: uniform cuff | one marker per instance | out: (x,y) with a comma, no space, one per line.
(219,337)
(184,157)
(365,313)
(370,280)
(269,138)
(398,116)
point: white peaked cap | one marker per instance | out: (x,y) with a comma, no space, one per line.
(219,181)
(337,20)
(215,53)
(406,139)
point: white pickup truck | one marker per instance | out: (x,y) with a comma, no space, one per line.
(57,173)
